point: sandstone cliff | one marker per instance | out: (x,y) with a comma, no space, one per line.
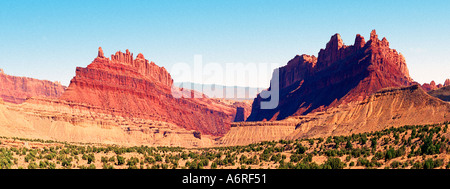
(340,74)
(17,89)
(137,88)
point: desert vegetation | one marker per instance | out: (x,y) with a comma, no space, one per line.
(407,147)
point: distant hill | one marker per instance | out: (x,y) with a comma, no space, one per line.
(442,93)
(221,91)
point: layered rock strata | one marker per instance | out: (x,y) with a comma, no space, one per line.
(137,88)
(51,119)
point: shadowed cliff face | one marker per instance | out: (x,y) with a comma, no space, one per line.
(138,88)
(340,74)
(16,89)
(441,93)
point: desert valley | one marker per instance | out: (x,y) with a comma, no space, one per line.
(352,106)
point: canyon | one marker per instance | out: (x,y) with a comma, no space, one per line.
(128,100)
(122,100)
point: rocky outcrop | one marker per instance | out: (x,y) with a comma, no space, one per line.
(137,88)
(429,86)
(16,89)
(339,75)
(447,83)
(432,85)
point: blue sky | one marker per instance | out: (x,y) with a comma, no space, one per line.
(48,39)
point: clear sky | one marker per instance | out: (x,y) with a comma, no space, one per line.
(48,39)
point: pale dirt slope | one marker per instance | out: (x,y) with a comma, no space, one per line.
(392,107)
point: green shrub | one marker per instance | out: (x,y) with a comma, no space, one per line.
(32,165)
(334,163)
(120,160)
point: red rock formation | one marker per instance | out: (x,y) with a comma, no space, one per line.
(429,86)
(447,83)
(339,74)
(17,89)
(100,53)
(138,88)
(432,85)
